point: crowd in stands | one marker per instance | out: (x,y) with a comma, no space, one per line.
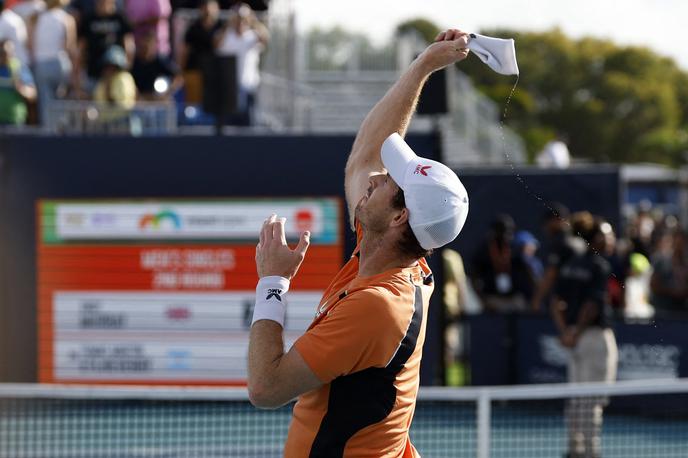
(119,53)
(513,271)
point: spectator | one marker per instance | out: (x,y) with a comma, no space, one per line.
(493,269)
(54,53)
(116,87)
(256,5)
(528,269)
(156,77)
(106,27)
(619,261)
(669,281)
(454,299)
(578,309)
(148,16)
(641,229)
(558,249)
(16,86)
(199,46)
(28,9)
(83,8)
(12,28)
(244,36)
(637,287)
(555,154)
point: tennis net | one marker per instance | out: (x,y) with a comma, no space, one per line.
(642,419)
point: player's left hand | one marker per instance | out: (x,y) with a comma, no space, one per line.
(273,255)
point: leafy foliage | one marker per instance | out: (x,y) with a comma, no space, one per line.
(608,102)
(425,28)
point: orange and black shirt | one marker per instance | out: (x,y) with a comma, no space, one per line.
(365,345)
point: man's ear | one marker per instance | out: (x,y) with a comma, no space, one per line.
(401,218)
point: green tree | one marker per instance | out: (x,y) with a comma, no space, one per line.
(427,29)
(609,102)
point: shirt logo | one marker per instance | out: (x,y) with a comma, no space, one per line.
(421,169)
(274,293)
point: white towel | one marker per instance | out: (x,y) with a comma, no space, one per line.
(498,53)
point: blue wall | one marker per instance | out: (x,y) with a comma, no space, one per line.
(524,194)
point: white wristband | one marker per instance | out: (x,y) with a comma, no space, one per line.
(270,299)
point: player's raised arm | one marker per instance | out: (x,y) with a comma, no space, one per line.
(393,112)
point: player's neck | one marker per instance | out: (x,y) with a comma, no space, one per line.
(378,254)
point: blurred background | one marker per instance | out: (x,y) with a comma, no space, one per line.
(142,142)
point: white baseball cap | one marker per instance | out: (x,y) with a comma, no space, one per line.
(435,197)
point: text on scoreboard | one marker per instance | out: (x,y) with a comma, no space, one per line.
(162,291)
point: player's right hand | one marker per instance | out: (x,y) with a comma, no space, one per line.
(450,46)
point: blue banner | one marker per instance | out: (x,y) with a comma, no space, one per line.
(523,349)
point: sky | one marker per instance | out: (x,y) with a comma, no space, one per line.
(658,24)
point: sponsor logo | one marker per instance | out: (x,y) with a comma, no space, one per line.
(422,169)
(75,219)
(552,352)
(179,360)
(178,313)
(104,219)
(304,220)
(274,293)
(155,221)
(636,360)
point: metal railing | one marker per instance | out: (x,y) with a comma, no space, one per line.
(77,117)
(284,104)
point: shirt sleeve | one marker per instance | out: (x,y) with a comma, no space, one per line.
(360,332)
(124,89)
(164,8)
(25,76)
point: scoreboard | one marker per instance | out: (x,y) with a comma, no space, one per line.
(161,291)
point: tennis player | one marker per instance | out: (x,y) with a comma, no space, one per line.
(356,369)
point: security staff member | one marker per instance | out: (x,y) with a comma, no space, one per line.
(578,310)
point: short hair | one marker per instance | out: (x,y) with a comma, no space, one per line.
(408,243)
(597,226)
(503,224)
(556,210)
(582,223)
